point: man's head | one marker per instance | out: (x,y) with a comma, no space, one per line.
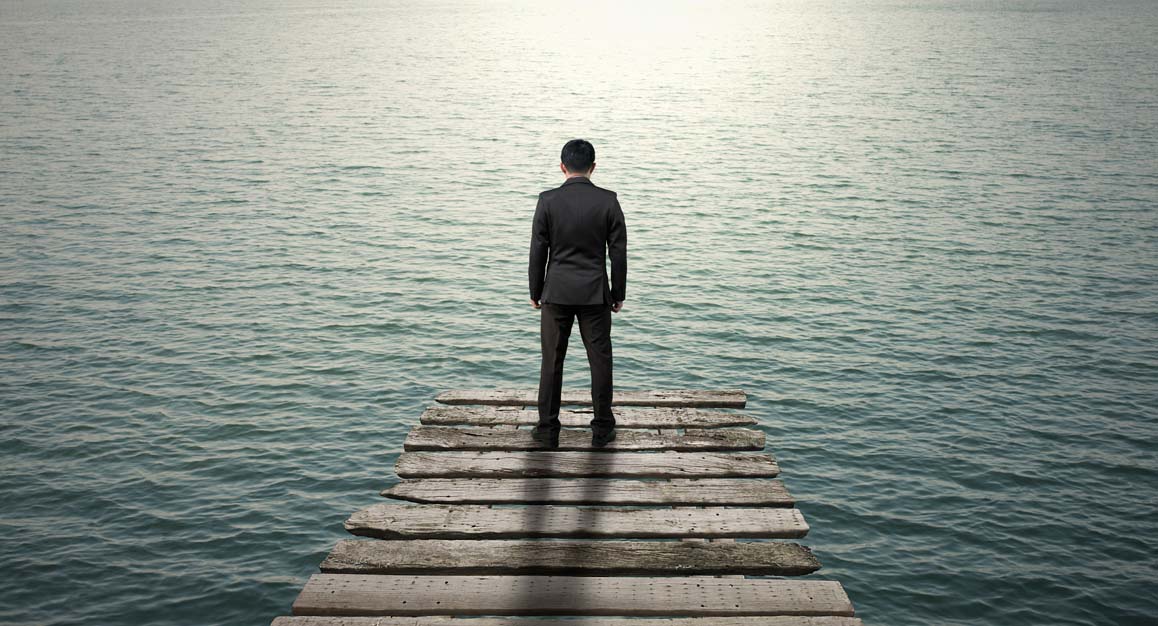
(578,158)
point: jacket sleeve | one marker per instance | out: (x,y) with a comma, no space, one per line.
(540,244)
(617,250)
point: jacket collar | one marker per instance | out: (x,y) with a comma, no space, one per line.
(577,179)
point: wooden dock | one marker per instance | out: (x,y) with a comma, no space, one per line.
(488,528)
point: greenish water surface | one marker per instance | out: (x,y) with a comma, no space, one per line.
(243,244)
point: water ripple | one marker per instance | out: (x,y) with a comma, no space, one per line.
(243,245)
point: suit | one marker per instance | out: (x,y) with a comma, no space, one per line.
(576,226)
(580,224)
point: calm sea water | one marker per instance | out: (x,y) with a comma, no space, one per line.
(244,243)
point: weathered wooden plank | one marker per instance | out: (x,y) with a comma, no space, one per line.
(675,491)
(690,539)
(553,464)
(358,594)
(439,620)
(472,521)
(726,540)
(625,417)
(450,438)
(571,558)
(721,398)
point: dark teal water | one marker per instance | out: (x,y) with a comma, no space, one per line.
(244,243)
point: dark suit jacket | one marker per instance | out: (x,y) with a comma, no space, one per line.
(579,224)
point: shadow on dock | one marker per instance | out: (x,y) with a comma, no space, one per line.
(577,555)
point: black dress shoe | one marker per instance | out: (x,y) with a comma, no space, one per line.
(549,438)
(600,438)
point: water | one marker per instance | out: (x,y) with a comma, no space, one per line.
(244,243)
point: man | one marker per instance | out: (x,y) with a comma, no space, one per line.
(578,224)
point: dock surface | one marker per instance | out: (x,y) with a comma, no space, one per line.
(681,521)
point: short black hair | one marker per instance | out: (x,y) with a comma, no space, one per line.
(578,155)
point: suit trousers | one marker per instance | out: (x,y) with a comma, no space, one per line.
(595,329)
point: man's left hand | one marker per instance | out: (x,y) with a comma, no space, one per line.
(535,303)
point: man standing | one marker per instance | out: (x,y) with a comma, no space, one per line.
(579,225)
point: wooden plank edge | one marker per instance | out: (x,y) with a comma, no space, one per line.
(449,438)
(710,492)
(439,521)
(712,398)
(554,464)
(441,557)
(357,594)
(440,620)
(625,417)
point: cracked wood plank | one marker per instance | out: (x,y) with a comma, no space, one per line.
(572,558)
(358,594)
(471,521)
(719,398)
(554,464)
(438,620)
(675,491)
(625,417)
(449,438)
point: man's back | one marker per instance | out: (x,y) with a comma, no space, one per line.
(577,225)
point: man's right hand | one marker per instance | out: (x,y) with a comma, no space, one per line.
(616,306)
